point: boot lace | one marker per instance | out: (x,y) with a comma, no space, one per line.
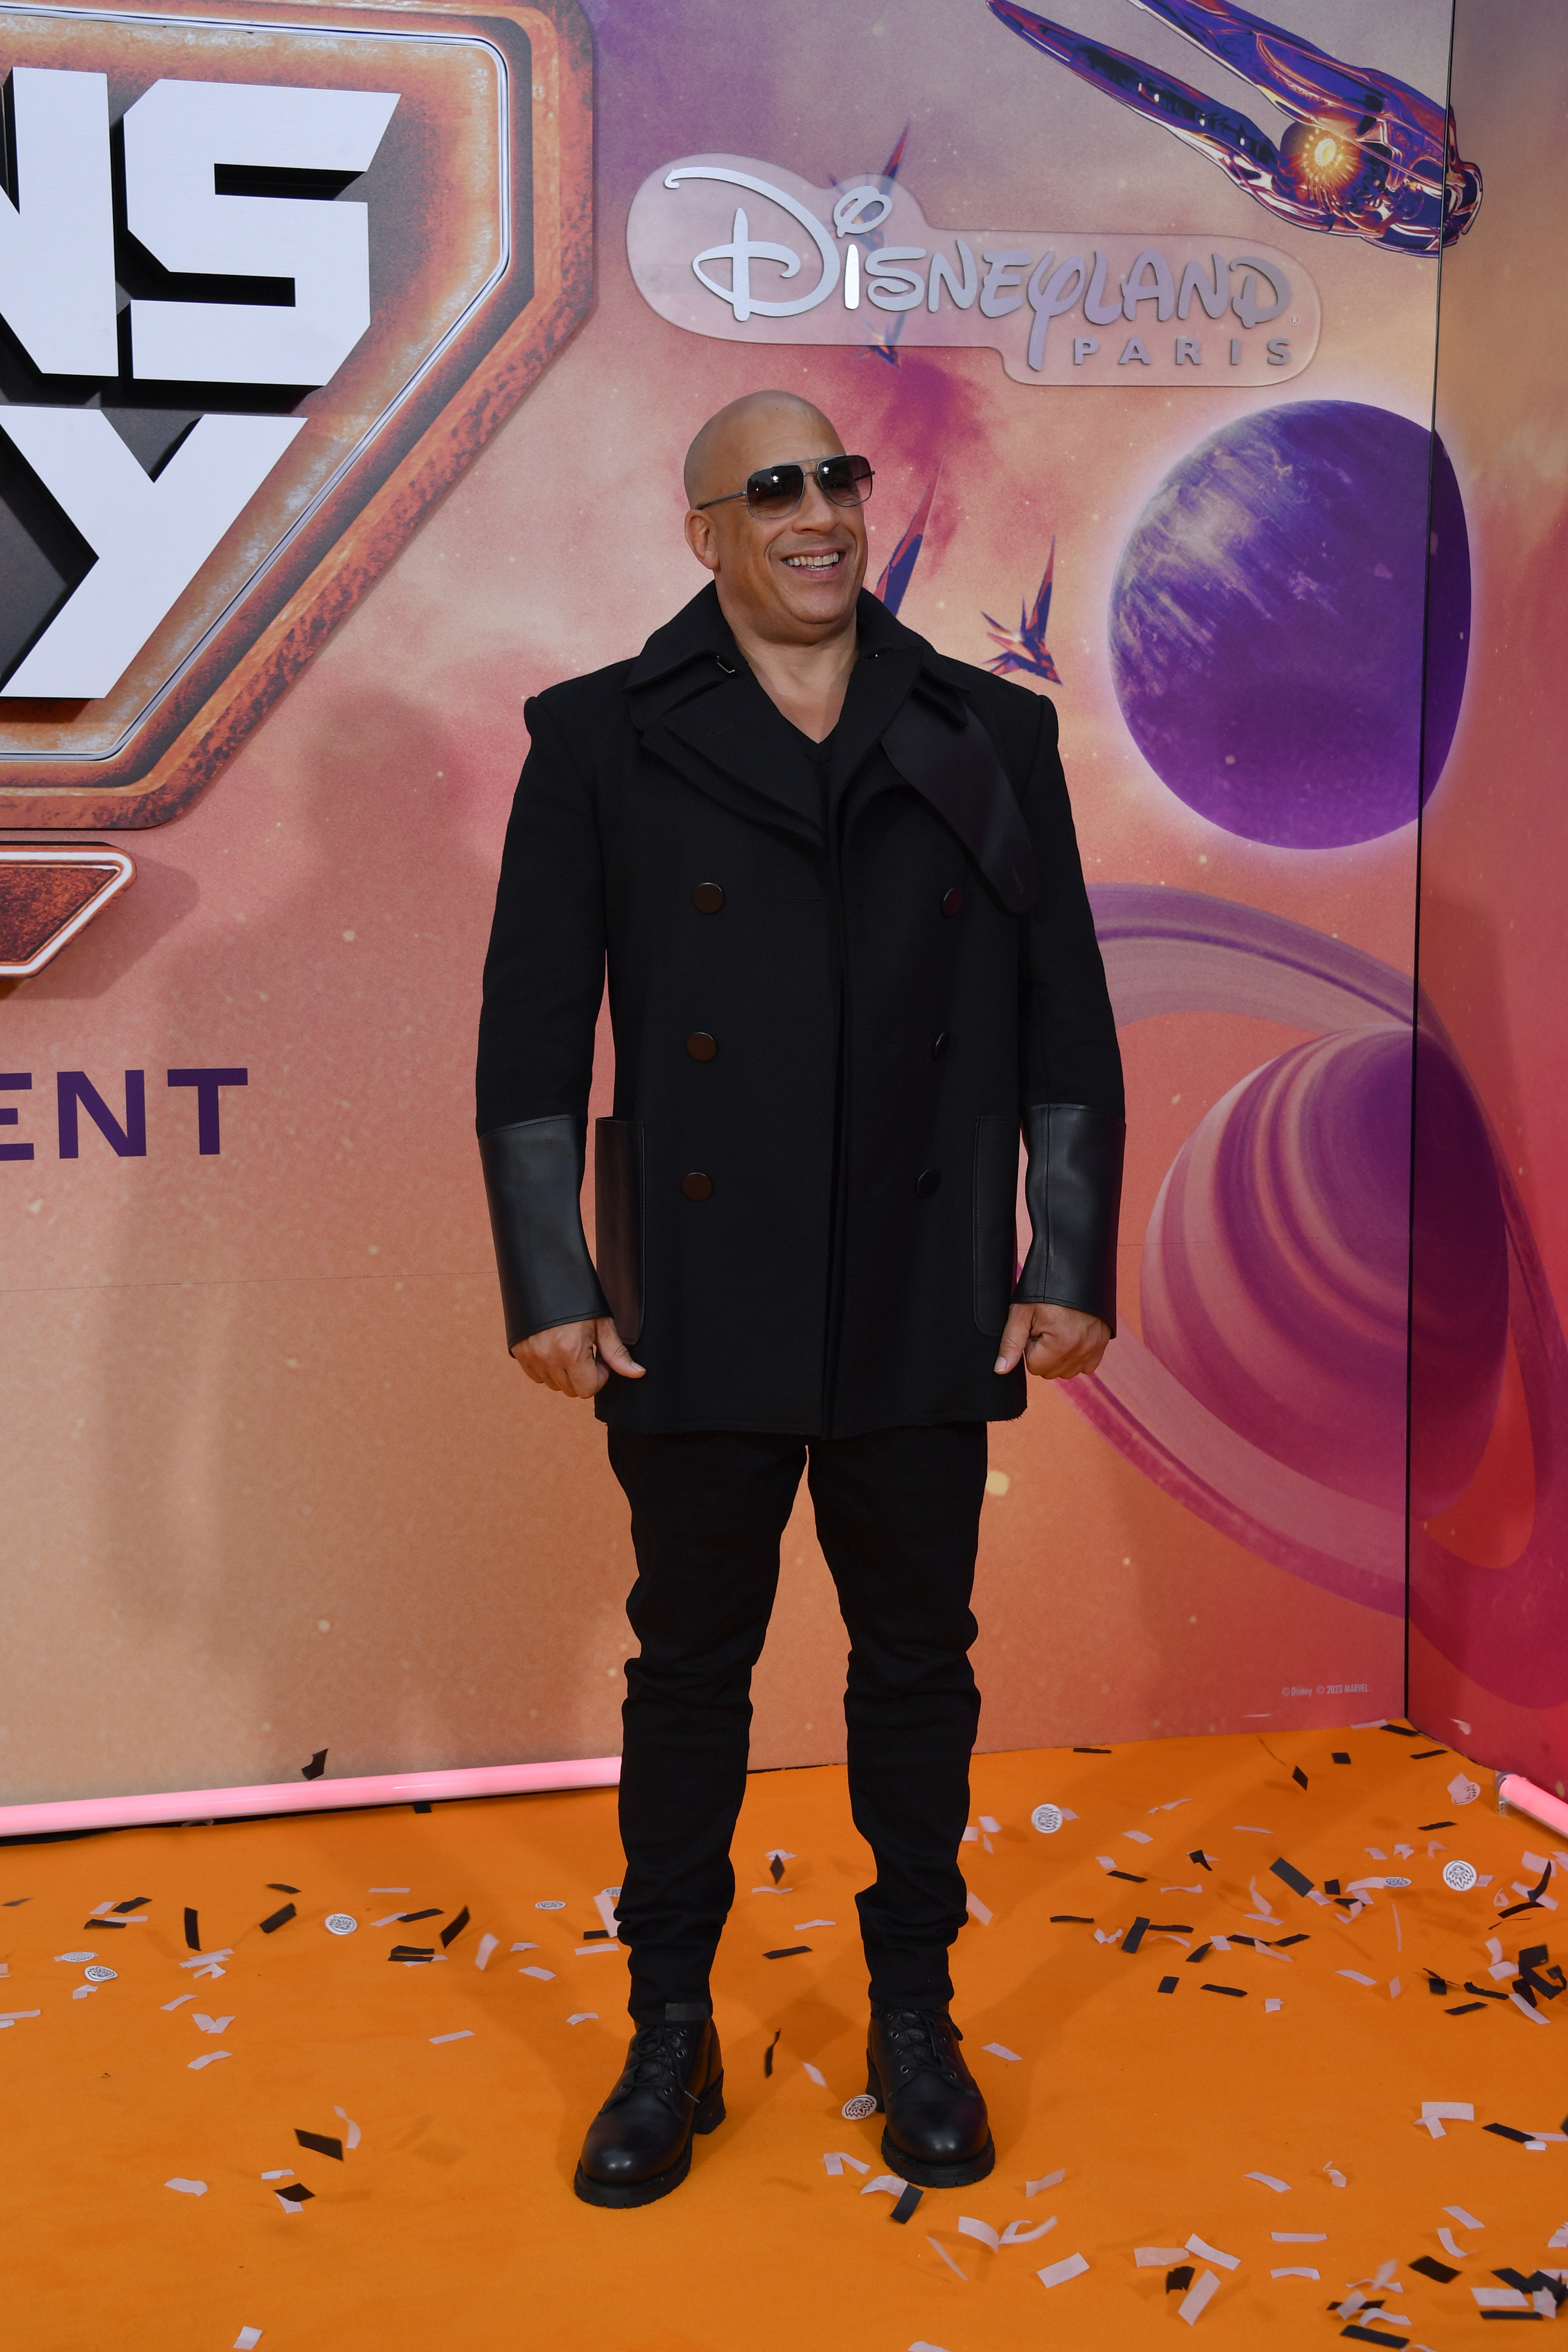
(914,2043)
(656,2062)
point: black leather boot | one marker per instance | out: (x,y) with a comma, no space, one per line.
(639,2143)
(937,2133)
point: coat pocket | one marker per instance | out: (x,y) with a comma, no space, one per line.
(618,1221)
(995,1218)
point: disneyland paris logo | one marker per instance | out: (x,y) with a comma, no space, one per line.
(723,246)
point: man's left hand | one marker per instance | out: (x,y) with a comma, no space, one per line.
(1057,1343)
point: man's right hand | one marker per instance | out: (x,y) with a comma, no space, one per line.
(576,1357)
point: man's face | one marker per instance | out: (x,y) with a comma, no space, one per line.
(794,582)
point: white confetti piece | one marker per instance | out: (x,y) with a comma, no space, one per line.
(208,2058)
(1113,1937)
(1525,2010)
(586,1951)
(815,2074)
(187,2188)
(1394,1987)
(389,1890)
(178,2003)
(801,1924)
(82,1991)
(390,1920)
(1466,2221)
(1500,2298)
(1157,2258)
(546,1976)
(487,1945)
(464,2033)
(1463,1792)
(1181,1890)
(525,1948)
(1000,2050)
(205,2024)
(1295,2271)
(1050,2180)
(887,2180)
(283,2172)
(1248,1829)
(198,1960)
(1058,2274)
(1436,2113)
(291,2205)
(1024,2233)
(924,2346)
(834,2167)
(1139,1837)
(1335,2176)
(1270,2006)
(605,1904)
(1457,2254)
(10,2016)
(1557,2238)
(1198,2298)
(1196,2245)
(855,2163)
(986,1823)
(248,2339)
(968,2227)
(1269,2181)
(1299,2237)
(1355,1976)
(947,2258)
(980,1910)
(353,2136)
(582,2016)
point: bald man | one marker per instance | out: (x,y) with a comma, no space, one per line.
(833,876)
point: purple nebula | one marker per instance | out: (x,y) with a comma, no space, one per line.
(1266,624)
(1275,1281)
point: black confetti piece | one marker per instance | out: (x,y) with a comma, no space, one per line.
(1422,1827)
(1071,1919)
(279,1919)
(13,1901)
(1404,1730)
(1341,1756)
(1332,1887)
(775,1869)
(1432,2268)
(589,1935)
(140,1902)
(89,1925)
(1507,2131)
(1371,2336)
(1246,1940)
(321,2143)
(1091,1751)
(1201,1954)
(1465,2007)
(1439,1985)
(1298,1776)
(905,2204)
(1201,1858)
(787,1951)
(421,1805)
(296,2193)
(1296,1880)
(1178,2281)
(1170,1927)
(1301,1937)
(1169,1984)
(412,1952)
(768,2053)
(454,1928)
(1532,1954)
(1136,1935)
(1130,1876)
(1517,2280)
(316,1767)
(278,1887)
(404,1917)
(1484,1992)
(1420,1755)
(193,1933)
(1234,1992)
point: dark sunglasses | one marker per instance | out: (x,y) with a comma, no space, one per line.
(775,491)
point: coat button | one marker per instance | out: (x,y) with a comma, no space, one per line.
(927,1181)
(708,898)
(700,1047)
(952,904)
(939,1045)
(696,1187)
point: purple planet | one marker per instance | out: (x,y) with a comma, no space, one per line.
(1267,621)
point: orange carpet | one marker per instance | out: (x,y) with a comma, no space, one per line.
(151,2123)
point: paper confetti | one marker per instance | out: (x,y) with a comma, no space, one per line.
(581,2016)
(815,2073)
(1199,2295)
(1024,2233)
(1058,2274)
(248,2339)
(464,2033)
(907,2204)
(208,2058)
(1000,2050)
(947,2258)
(979,1910)
(1196,2245)
(1157,2258)
(487,1945)
(1295,2271)
(352,2137)
(546,1976)
(1299,2237)
(187,2188)
(885,2180)
(205,2024)
(968,2227)
(1269,2181)
(1050,2180)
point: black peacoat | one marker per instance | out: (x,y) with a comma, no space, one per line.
(842,986)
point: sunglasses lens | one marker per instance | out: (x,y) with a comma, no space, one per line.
(776,490)
(846,480)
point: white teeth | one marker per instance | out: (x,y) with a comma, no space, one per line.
(811,562)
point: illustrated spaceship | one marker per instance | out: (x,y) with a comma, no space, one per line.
(1365,155)
(885,345)
(899,568)
(1025,648)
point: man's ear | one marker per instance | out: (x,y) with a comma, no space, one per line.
(702,540)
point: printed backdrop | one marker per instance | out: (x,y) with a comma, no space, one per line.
(272,1483)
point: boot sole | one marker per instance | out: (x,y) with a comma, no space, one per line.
(958,2175)
(708,2116)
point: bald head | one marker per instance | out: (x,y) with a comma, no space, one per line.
(761,428)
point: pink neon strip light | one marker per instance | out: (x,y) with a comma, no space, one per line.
(309,1796)
(1514,1790)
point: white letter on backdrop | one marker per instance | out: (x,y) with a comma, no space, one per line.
(150,537)
(174,137)
(56,241)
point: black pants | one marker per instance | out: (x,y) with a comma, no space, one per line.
(897,1515)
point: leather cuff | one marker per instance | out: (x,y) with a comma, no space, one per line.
(1073,1190)
(533,1179)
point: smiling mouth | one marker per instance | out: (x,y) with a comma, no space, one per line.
(820,563)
